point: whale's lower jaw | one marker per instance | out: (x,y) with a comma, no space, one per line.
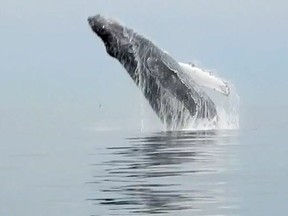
(176,101)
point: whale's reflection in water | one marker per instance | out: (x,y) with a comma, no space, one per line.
(169,173)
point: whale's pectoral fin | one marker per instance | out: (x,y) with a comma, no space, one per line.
(206,79)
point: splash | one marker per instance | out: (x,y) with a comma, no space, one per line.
(227,107)
(227,112)
(224,95)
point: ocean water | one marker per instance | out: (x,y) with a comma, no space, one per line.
(57,82)
(87,172)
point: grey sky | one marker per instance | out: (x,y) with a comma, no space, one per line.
(55,71)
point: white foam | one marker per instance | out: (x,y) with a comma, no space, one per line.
(227,112)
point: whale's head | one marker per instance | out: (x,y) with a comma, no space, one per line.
(115,36)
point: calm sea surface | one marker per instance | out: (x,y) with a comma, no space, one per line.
(86,172)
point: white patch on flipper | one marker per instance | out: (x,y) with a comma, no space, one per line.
(205,78)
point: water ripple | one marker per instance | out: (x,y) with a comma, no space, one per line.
(168,172)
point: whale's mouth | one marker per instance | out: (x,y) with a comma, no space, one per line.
(97,24)
(91,21)
(94,20)
(107,30)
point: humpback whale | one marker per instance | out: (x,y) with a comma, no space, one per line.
(175,97)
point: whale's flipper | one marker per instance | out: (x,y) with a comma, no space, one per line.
(205,79)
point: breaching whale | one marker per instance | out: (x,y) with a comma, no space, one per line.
(176,98)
